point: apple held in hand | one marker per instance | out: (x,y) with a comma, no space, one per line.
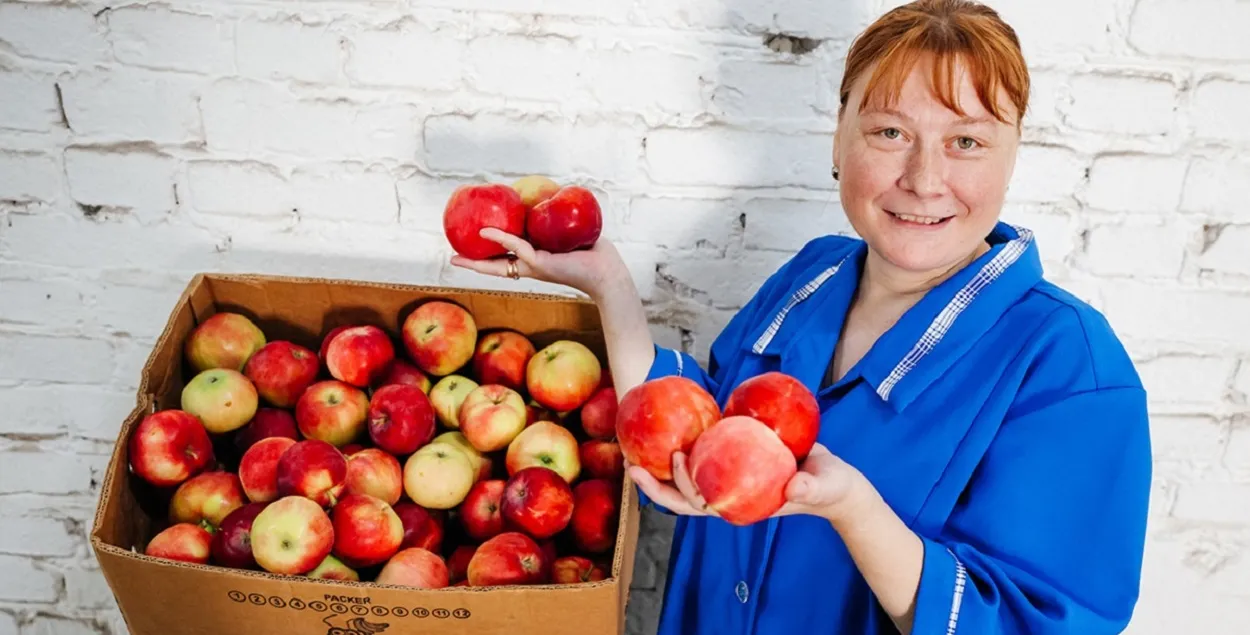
(360,355)
(570,219)
(232,542)
(782,403)
(474,207)
(366,530)
(662,416)
(184,542)
(563,375)
(596,514)
(535,188)
(206,498)
(281,371)
(481,514)
(545,444)
(510,558)
(438,476)
(332,411)
(417,568)
(491,416)
(224,400)
(258,469)
(501,358)
(741,467)
(374,472)
(313,469)
(537,501)
(448,395)
(440,337)
(292,536)
(224,340)
(169,447)
(401,419)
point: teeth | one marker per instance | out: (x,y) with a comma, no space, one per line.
(919,219)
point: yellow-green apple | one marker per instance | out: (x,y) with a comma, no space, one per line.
(782,403)
(281,371)
(232,542)
(258,469)
(575,570)
(741,467)
(596,514)
(206,498)
(537,501)
(168,447)
(568,220)
(511,558)
(535,188)
(401,372)
(563,375)
(501,357)
(292,536)
(480,513)
(545,444)
(184,542)
(366,530)
(598,414)
(422,528)
(491,416)
(333,569)
(268,422)
(415,567)
(448,395)
(458,562)
(400,419)
(473,207)
(660,417)
(440,337)
(602,459)
(481,462)
(438,476)
(224,340)
(224,400)
(374,472)
(313,469)
(332,411)
(360,355)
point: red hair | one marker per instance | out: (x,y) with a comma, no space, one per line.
(948,31)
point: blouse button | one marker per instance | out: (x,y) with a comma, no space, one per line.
(742,591)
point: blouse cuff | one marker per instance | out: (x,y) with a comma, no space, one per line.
(942,583)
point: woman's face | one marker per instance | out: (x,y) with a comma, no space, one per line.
(920,183)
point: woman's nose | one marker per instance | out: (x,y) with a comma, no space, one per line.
(925,173)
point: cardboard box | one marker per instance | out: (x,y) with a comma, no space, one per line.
(160,597)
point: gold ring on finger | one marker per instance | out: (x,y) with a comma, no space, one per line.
(513,271)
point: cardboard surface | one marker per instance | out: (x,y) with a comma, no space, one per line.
(160,597)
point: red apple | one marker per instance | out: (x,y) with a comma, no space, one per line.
(223,400)
(491,416)
(599,414)
(563,375)
(782,403)
(422,528)
(507,559)
(351,448)
(366,530)
(415,567)
(659,417)
(401,372)
(481,462)
(206,498)
(374,472)
(401,419)
(438,476)
(184,542)
(313,469)
(569,220)
(501,357)
(267,423)
(232,542)
(545,444)
(333,569)
(360,355)
(325,342)
(480,514)
(332,411)
(535,188)
(224,340)
(596,514)
(472,208)
(741,467)
(538,501)
(258,469)
(440,337)
(448,395)
(281,371)
(535,412)
(292,536)
(169,447)
(603,459)
(458,562)
(575,570)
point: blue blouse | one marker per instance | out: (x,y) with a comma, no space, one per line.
(1000,418)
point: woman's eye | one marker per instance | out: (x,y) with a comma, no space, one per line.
(890,133)
(966,143)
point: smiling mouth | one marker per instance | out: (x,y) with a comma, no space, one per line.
(928,221)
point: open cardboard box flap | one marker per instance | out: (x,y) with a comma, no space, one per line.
(161,597)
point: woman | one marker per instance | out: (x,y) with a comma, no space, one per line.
(984,458)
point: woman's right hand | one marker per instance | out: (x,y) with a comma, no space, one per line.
(592,271)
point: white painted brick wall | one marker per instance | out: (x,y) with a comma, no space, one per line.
(142,143)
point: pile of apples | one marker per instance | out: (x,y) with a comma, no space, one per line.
(452,457)
(551,217)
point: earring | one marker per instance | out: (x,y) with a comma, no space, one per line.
(835,172)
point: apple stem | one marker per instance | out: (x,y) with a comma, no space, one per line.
(209,527)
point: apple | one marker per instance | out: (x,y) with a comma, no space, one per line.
(458,562)
(563,375)
(184,542)
(266,423)
(596,514)
(351,448)
(659,417)
(481,462)
(440,337)
(438,476)
(448,395)
(480,513)
(333,569)
(325,342)
(473,207)
(569,220)
(332,411)
(313,469)
(782,403)
(258,469)
(415,567)
(281,371)
(374,472)
(535,412)
(491,416)
(510,558)
(741,467)
(360,355)
(545,444)
(534,189)
(401,372)
(366,530)
(602,459)
(422,528)
(599,414)
(206,498)
(501,357)
(168,447)
(538,501)
(232,542)
(224,400)
(575,570)
(224,340)
(292,536)
(400,419)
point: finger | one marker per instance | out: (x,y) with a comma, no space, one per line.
(513,243)
(662,494)
(685,485)
(490,267)
(803,489)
